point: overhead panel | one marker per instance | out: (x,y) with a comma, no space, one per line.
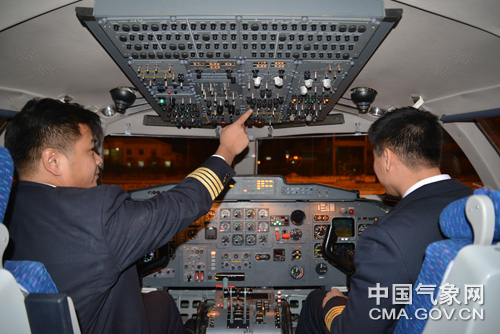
(206,62)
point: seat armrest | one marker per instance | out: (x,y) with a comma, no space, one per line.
(51,313)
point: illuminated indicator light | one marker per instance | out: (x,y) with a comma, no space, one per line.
(231,185)
(351,211)
(212,253)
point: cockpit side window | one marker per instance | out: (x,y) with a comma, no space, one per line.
(491,128)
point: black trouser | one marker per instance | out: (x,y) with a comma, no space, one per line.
(163,315)
(311,316)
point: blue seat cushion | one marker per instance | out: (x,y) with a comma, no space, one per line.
(6,172)
(32,276)
(453,220)
(437,257)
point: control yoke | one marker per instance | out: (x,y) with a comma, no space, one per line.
(342,260)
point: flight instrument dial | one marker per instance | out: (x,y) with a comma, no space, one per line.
(297,272)
(319,232)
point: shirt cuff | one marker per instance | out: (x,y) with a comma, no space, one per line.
(219,156)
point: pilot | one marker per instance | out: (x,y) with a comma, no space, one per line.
(90,236)
(407,152)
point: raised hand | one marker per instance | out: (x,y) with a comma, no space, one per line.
(233,138)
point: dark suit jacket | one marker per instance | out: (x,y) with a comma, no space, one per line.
(391,252)
(89,240)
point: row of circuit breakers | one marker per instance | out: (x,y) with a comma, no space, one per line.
(198,70)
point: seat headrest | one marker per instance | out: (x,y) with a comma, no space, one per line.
(453,220)
(6,175)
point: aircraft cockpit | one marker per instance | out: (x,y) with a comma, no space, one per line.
(165,78)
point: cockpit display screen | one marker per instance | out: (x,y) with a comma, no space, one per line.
(344,227)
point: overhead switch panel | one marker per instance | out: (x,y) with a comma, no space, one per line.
(197,67)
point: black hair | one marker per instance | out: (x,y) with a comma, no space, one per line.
(44,123)
(414,135)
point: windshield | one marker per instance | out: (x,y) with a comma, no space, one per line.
(343,161)
(139,162)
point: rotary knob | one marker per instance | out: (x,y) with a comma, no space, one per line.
(278,82)
(257,81)
(327,83)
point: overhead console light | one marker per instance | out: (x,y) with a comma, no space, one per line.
(207,63)
(363,98)
(123,98)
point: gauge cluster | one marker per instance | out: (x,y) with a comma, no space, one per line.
(264,236)
(274,241)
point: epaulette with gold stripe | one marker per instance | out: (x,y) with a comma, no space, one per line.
(332,314)
(209,179)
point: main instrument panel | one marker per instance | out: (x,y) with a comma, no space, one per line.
(263,232)
(202,65)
